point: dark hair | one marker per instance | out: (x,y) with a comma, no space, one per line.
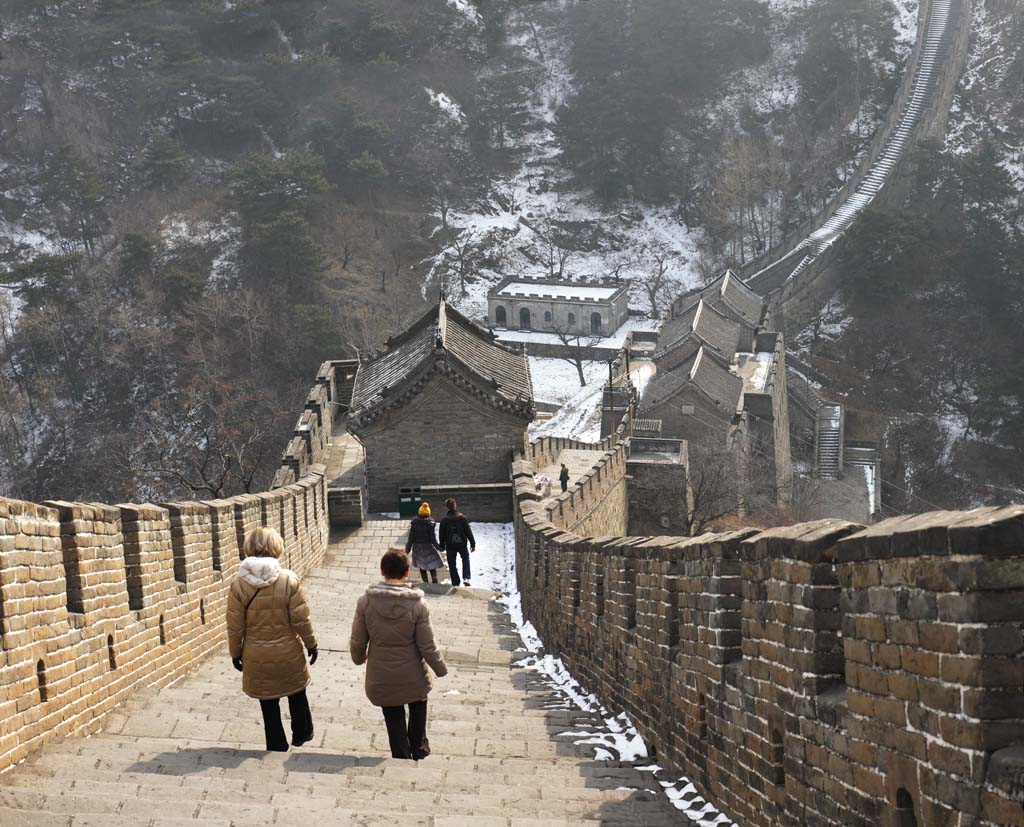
(394,565)
(450,503)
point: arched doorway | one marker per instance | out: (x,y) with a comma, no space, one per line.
(572,321)
(500,316)
(595,324)
(905,809)
(524,319)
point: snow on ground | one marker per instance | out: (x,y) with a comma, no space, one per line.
(580,416)
(513,230)
(979,110)
(447,106)
(224,236)
(616,738)
(556,380)
(467,10)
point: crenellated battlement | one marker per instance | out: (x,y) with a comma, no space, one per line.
(812,674)
(98,600)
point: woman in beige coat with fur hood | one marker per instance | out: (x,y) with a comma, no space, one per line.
(268,624)
(392,635)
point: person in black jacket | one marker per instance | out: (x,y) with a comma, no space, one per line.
(457,539)
(423,544)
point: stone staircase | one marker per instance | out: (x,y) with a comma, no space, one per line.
(939,40)
(192,753)
(828,442)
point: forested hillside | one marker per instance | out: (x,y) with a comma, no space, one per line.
(926,331)
(203,199)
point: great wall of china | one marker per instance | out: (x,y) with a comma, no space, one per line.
(98,601)
(799,275)
(817,674)
(822,674)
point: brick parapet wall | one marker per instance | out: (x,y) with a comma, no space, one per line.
(96,600)
(810,675)
(311,437)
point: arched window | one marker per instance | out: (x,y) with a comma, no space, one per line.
(524,319)
(547,316)
(595,324)
(500,316)
(572,321)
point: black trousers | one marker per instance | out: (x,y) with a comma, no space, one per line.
(302,721)
(407,740)
(433,574)
(453,564)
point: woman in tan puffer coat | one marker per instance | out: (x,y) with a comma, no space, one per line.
(268,624)
(392,635)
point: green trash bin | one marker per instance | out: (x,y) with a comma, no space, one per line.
(409,501)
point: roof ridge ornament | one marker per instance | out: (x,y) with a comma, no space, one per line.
(442,323)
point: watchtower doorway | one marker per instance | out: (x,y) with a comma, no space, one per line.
(500,317)
(524,319)
(595,324)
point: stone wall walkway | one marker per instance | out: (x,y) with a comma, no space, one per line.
(192,754)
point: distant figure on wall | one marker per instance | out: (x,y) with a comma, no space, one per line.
(268,624)
(422,542)
(563,477)
(392,635)
(457,539)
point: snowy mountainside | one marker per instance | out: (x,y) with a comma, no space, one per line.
(534,222)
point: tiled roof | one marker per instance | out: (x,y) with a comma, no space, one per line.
(716,381)
(741,298)
(704,371)
(728,295)
(440,330)
(706,323)
(481,352)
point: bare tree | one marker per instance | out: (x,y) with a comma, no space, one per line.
(348,249)
(208,443)
(441,203)
(657,282)
(549,252)
(576,348)
(460,257)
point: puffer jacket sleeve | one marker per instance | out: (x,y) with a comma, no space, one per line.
(360,637)
(425,641)
(298,614)
(235,622)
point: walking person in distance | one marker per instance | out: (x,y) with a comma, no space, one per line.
(563,477)
(268,625)
(456,538)
(422,542)
(392,635)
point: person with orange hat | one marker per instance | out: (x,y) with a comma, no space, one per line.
(422,542)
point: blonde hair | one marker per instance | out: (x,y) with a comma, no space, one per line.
(263,542)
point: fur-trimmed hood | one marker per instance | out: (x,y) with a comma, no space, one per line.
(393,601)
(259,571)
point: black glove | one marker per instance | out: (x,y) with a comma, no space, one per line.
(313,654)
(237,663)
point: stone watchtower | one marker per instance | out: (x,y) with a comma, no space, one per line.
(444,405)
